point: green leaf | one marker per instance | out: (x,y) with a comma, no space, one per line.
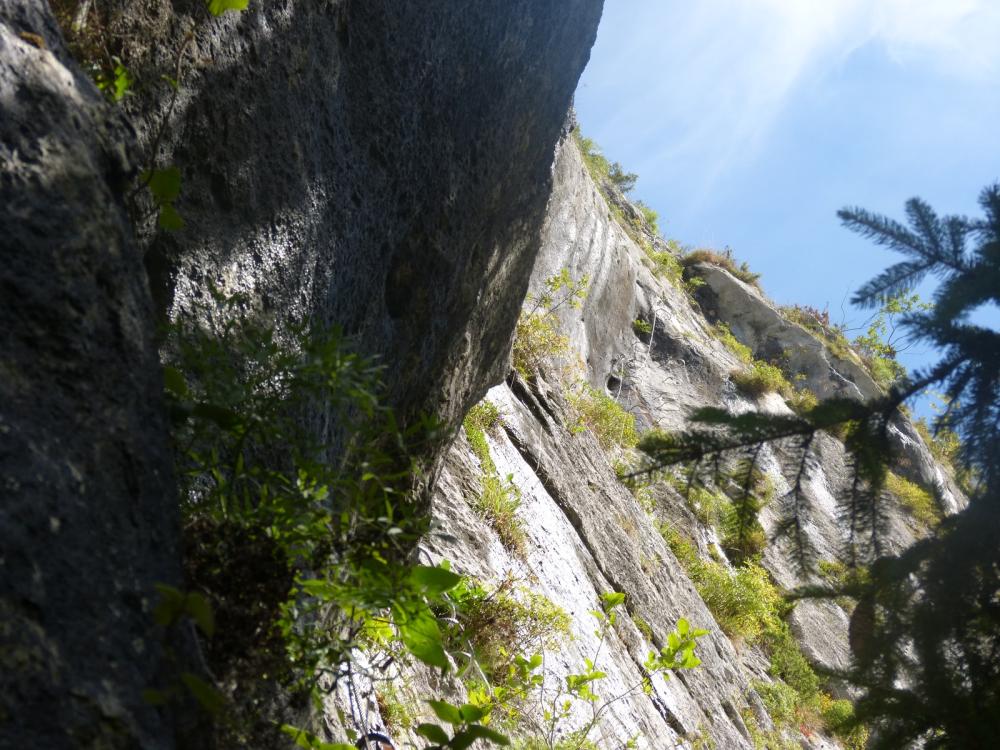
(218,7)
(308,741)
(446,712)
(224,418)
(471,713)
(164,184)
(173,381)
(122,82)
(209,697)
(682,626)
(420,634)
(434,580)
(200,610)
(612,599)
(169,219)
(170,606)
(465,738)
(433,732)
(155,697)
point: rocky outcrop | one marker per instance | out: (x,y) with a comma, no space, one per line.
(587,534)
(89,520)
(381,166)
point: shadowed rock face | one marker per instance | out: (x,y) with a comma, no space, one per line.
(379,165)
(383,166)
(88,519)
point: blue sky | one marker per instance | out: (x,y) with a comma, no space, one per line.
(750,122)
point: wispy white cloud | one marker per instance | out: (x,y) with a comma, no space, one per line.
(725,69)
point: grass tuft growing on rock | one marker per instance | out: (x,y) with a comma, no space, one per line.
(742,352)
(918,502)
(760,378)
(498,502)
(723,260)
(611,424)
(498,498)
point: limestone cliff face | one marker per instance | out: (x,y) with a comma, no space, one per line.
(587,534)
(385,166)
(381,166)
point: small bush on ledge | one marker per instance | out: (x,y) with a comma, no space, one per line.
(723,260)
(605,417)
(760,378)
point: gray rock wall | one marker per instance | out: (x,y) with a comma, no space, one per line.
(587,534)
(374,164)
(88,520)
(381,166)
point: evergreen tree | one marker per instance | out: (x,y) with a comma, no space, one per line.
(926,631)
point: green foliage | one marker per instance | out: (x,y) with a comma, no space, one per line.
(537,336)
(218,7)
(624,181)
(117,82)
(165,185)
(772,740)
(611,424)
(498,502)
(802,400)
(264,510)
(650,216)
(723,260)
(521,696)
(925,627)
(497,624)
(740,350)
(498,499)
(748,606)
(743,601)
(879,345)
(818,324)
(780,700)
(666,265)
(760,378)
(918,502)
(643,627)
(398,713)
(641,327)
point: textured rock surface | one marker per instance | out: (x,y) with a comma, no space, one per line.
(88,520)
(587,534)
(376,164)
(382,166)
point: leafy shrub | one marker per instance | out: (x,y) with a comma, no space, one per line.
(818,324)
(780,700)
(624,181)
(760,378)
(597,164)
(398,714)
(917,501)
(502,622)
(605,417)
(723,260)
(666,265)
(802,400)
(740,350)
(537,336)
(641,327)
(276,536)
(744,602)
(650,216)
